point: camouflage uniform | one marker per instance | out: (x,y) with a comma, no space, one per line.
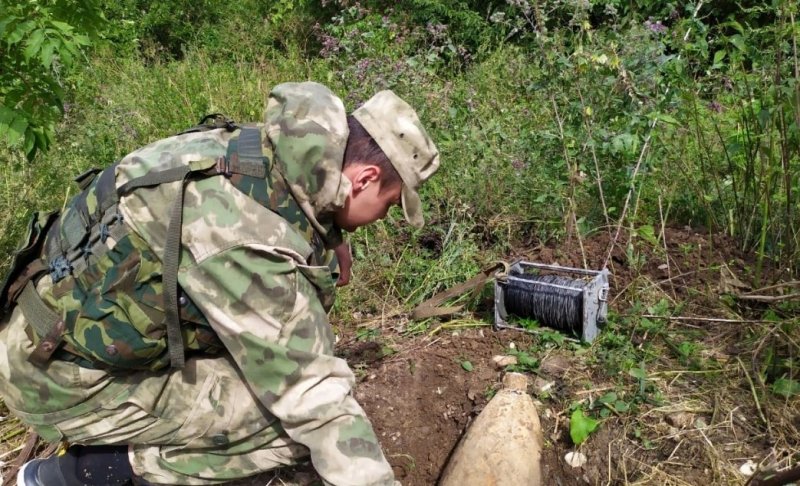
(261,281)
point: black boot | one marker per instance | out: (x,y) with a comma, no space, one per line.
(80,466)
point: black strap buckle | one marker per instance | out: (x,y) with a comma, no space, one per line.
(218,120)
(224,166)
(59,268)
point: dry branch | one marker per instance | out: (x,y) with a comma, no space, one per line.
(769,298)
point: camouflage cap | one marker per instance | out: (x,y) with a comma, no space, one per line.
(396,128)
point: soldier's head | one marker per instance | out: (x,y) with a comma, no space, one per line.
(388,157)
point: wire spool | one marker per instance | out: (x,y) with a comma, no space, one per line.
(573,306)
(552,300)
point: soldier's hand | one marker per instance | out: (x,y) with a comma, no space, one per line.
(345,262)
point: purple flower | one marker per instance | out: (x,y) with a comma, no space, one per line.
(656,27)
(362,67)
(716,107)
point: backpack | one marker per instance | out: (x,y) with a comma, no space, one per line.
(159,322)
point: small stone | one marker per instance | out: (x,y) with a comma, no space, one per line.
(575,459)
(501,361)
(748,468)
(555,365)
(542,386)
(511,345)
(680,420)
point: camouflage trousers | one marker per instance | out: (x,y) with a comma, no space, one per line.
(199,425)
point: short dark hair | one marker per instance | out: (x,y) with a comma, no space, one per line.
(363,149)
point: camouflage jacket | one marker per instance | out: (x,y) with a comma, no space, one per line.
(259,277)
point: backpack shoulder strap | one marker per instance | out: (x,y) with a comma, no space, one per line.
(244,157)
(212,121)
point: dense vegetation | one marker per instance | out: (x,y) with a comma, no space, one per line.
(553,118)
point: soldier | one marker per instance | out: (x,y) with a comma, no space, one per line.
(171,322)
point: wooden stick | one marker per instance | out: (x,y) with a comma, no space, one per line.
(769,298)
(794,283)
(705,319)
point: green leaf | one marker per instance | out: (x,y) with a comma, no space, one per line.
(17,129)
(719,56)
(81,40)
(467,365)
(20,32)
(786,387)
(65,54)
(6,116)
(738,42)
(4,23)
(47,54)
(608,398)
(648,234)
(736,25)
(580,426)
(34,44)
(62,26)
(637,373)
(29,145)
(663,117)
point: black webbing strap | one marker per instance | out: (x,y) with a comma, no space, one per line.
(247,158)
(172,258)
(105,189)
(212,121)
(86,178)
(48,325)
(155,178)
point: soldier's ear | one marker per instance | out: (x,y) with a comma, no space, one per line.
(364,175)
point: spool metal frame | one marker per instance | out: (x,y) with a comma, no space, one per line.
(595,296)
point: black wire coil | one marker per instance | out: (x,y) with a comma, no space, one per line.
(559,308)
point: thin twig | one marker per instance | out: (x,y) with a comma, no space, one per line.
(457,326)
(664,241)
(794,283)
(769,298)
(686,274)
(753,391)
(702,319)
